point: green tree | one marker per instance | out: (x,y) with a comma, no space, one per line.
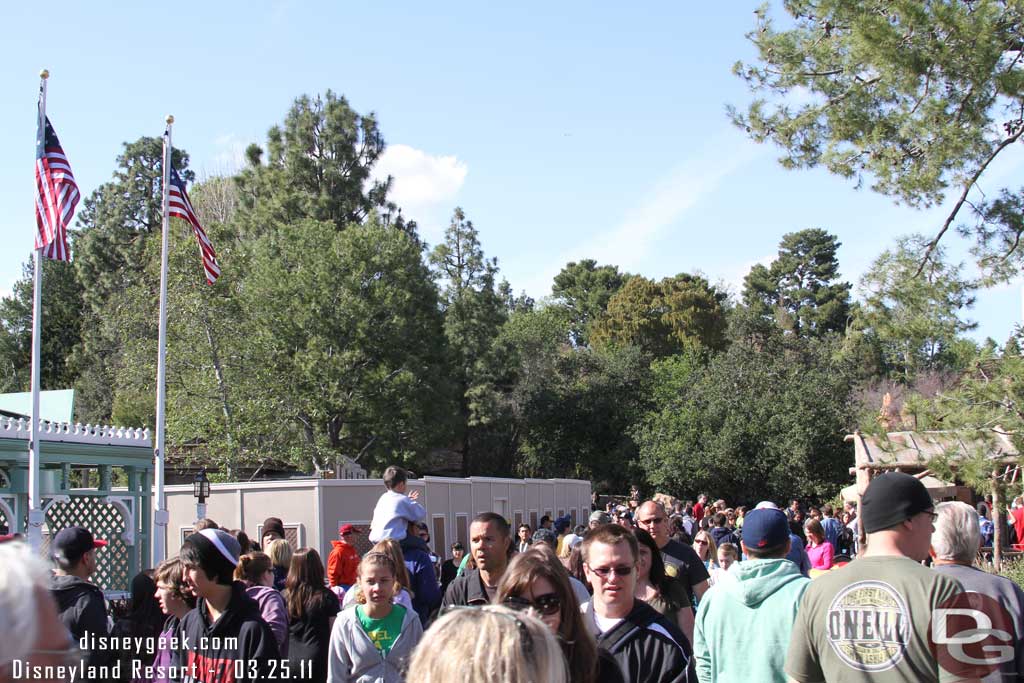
(918,96)
(800,288)
(60,333)
(346,344)
(916,319)
(116,224)
(663,318)
(318,165)
(764,418)
(575,412)
(474,311)
(584,289)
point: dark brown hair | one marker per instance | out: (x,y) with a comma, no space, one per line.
(305,591)
(393,476)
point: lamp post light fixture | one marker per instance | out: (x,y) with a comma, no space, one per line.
(201,491)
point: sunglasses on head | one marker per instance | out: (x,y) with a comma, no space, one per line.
(548,604)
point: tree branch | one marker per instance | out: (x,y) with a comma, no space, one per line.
(963,197)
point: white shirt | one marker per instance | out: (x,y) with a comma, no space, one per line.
(392,515)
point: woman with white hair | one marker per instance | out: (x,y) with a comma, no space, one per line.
(33,635)
(955,544)
(490,644)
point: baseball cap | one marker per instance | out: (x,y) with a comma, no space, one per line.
(765,505)
(562,523)
(892,498)
(72,542)
(600,517)
(765,528)
(346,529)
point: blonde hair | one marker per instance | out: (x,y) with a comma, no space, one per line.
(280,553)
(490,644)
(386,553)
(390,547)
(712,547)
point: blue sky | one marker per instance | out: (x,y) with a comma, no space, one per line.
(565,130)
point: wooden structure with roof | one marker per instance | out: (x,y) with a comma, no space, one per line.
(912,451)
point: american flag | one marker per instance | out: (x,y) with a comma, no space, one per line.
(56,195)
(180,206)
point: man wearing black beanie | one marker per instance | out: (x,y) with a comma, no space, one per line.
(225,637)
(870,620)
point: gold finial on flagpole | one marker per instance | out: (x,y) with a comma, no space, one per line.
(169,119)
(44,74)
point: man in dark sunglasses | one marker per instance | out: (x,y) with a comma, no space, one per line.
(646,646)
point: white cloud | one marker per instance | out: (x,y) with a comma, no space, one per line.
(421,180)
(636,237)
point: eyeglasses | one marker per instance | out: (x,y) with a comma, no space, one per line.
(548,604)
(701,541)
(605,572)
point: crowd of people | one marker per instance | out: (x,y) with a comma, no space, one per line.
(650,590)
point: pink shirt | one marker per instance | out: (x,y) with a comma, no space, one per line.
(820,555)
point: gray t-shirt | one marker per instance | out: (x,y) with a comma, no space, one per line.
(1007,594)
(869,621)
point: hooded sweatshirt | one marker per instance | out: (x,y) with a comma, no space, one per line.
(342,564)
(743,625)
(354,658)
(274,612)
(218,662)
(82,610)
(426,593)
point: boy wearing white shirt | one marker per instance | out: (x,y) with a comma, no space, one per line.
(395,509)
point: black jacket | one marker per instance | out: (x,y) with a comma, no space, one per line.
(647,647)
(83,611)
(241,620)
(468,589)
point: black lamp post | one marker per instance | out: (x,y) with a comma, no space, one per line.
(201,490)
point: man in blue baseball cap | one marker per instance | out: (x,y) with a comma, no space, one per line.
(755,606)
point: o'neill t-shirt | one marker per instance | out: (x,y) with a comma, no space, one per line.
(869,621)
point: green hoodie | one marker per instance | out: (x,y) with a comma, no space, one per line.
(744,622)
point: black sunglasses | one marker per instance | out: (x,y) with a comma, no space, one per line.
(548,604)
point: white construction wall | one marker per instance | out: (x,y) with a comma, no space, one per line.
(313,509)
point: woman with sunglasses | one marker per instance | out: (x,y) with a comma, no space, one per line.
(536,581)
(706,549)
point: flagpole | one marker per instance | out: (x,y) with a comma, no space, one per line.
(35,505)
(160,514)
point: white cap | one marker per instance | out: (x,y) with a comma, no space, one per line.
(766,505)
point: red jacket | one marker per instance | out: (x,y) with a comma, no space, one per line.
(342,564)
